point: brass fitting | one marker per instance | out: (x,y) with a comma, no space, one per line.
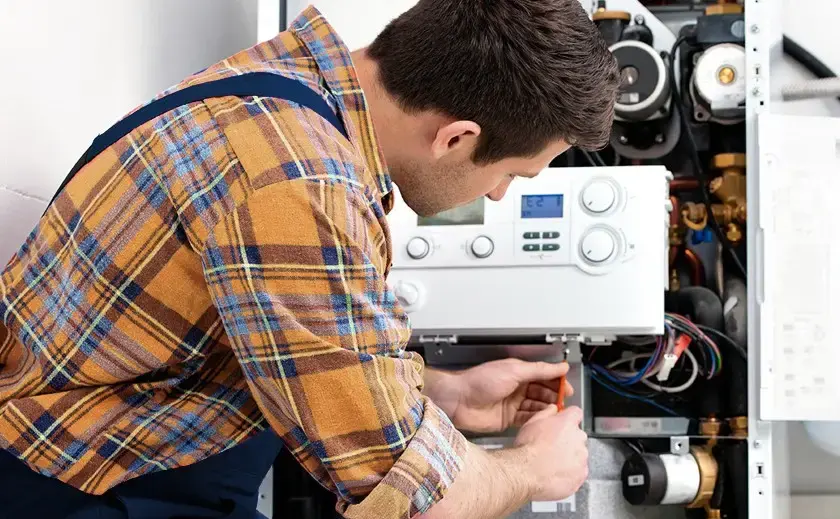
(708,476)
(730,188)
(603,14)
(724,7)
(710,427)
(739,426)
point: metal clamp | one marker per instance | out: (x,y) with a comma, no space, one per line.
(680,445)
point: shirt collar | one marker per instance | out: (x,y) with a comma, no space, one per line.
(336,67)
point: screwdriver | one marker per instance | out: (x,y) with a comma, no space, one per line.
(561,391)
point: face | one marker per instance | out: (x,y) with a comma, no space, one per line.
(446,177)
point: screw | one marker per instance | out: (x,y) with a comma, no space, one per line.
(756,91)
(659,138)
(754,29)
(639,19)
(757,444)
(622,139)
(440,352)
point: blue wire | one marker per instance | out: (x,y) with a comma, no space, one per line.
(597,379)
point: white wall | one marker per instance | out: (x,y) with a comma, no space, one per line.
(71,69)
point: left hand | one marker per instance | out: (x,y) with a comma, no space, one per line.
(496,395)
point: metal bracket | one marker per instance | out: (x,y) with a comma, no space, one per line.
(680,445)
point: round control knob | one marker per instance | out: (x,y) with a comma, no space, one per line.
(418,248)
(482,247)
(597,245)
(407,293)
(598,197)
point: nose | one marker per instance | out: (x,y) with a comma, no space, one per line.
(499,191)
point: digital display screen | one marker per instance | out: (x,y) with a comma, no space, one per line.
(470,214)
(542,206)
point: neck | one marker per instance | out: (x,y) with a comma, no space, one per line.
(392,125)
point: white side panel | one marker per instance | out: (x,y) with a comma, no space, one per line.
(800,175)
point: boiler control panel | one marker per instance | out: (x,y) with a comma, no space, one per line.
(574,250)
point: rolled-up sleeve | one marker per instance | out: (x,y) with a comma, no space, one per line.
(297,273)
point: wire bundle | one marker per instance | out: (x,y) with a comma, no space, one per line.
(682,339)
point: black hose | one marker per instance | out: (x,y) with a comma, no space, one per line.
(805,58)
(737,480)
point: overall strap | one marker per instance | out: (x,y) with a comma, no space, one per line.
(258,84)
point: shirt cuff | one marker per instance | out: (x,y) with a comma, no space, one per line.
(421,476)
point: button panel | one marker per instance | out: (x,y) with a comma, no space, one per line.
(547,241)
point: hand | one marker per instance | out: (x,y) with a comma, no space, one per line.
(496,395)
(556,447)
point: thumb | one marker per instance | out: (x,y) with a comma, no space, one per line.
(541,371)
(547,412)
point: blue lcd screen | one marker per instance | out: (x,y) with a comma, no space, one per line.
(542,206)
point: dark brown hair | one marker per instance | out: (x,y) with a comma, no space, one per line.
(529,72)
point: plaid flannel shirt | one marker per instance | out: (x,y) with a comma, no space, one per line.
(221,270)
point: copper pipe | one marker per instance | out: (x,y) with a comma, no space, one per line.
(696,266)
(675,212)
(684,184)
(675,223)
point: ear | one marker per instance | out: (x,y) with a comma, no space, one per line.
(458,137)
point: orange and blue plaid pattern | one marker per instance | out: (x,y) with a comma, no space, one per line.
(219,271)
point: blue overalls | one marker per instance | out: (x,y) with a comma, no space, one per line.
(222,486)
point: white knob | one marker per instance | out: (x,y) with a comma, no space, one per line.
(482,247)
(407,293)
(597,246)
(418,248)
(598,197)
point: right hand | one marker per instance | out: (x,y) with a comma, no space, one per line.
(556,448)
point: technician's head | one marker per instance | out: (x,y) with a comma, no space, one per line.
(484,91)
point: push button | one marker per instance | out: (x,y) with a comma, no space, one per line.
(531,247)
(550,247)
(532,236)
(552,235)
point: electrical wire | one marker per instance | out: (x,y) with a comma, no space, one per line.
(588,158)
(594,158)
(695,371)
(631,396)
(695,160)
(687,327)
(740,350)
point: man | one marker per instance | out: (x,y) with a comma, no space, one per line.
(211,287)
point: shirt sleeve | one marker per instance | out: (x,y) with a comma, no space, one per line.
(298,276)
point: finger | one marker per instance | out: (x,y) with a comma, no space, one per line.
(573,414)
(548,412)
(539,371)
(552,386)
(541,393)
(534,405)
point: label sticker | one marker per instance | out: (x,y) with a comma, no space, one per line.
(636,480)
(552,507)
